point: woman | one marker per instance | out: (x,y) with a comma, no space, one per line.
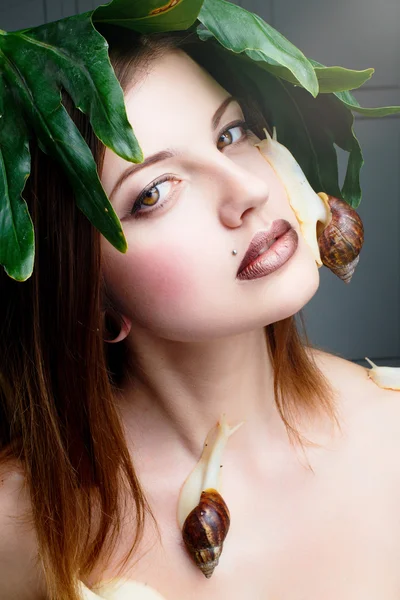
(311,478)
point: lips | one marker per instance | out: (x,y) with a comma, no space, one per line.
(264,239)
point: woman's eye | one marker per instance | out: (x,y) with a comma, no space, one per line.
(151,196)
(232,139)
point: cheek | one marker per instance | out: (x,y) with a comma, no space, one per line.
(159,277)
(148,284)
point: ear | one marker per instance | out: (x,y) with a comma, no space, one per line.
(119,330)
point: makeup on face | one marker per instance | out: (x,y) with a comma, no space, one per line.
(269,250)
(169,153)
(179,279)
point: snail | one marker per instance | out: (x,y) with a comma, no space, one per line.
(202,514)
(331,227)
(205,530)
(341,241)
(385,377)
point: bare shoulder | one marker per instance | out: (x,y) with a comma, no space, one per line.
(20,574)
(352,379)
(362,464)
(367,410)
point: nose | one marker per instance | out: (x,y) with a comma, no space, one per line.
(240,192)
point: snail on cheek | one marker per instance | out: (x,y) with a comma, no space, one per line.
(202,514)
(330,226)
(332,229)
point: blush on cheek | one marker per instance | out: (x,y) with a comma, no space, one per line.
(155,281)
(161,278)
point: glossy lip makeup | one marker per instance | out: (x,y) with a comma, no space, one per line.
(268,251)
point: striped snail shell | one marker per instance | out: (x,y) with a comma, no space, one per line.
(341,241)
(205,530)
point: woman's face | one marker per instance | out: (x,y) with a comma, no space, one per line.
(178,277)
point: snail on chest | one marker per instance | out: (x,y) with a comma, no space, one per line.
(203,515)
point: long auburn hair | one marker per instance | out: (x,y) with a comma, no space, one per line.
(58,377)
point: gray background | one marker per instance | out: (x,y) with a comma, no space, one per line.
(363,318)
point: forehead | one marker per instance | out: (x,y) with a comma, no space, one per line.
(172,96)
(169,106)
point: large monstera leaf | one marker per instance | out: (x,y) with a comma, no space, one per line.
(35,64)
(310,104)
(312,113)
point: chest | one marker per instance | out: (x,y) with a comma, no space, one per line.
(331,534)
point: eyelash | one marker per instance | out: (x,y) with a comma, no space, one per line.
(136,211)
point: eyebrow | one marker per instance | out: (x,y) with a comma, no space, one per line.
(169,153)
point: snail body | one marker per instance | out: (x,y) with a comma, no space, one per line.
(387,378)
(331,227)
(205,530)
(203,515)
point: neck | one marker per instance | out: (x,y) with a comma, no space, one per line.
(177,391)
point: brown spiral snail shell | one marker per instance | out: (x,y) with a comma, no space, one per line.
(202,515)
(205,530)
(341,240)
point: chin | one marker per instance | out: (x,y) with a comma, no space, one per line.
(291,293)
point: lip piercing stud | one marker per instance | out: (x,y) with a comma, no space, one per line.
(234,252)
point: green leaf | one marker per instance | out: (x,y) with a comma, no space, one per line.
(311,128)
(240,31)
(330,79)
(382,111)
(16,228)
(36,64)
(149,16)
(347,80)
(351,190)
(339,79)
(321,124)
